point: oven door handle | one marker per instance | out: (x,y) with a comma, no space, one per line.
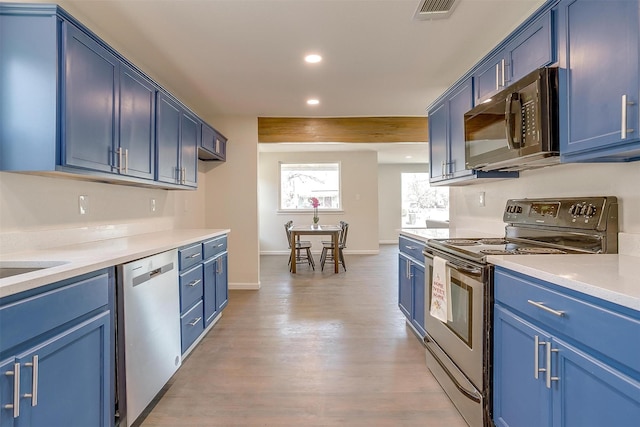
(472,395)
(472,271)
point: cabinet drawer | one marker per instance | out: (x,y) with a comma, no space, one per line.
(191,325)
(25,319)
(214,246)
(412,248)
(190,255)
(191,285)
(585,321)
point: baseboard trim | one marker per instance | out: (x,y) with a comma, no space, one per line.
(244,286)
(346,252)
(388,242)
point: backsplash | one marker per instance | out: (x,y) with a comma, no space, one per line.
(565,180)
(38,212)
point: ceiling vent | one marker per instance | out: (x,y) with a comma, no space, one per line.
(434,9)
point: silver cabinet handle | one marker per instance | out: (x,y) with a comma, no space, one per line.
(410,247)
(192,284)
(184,175)
(194,255)
(195,321)
(220,245)
(34,381)
(504,64)
(126,160)
(119,151)
(623,127)
(497,76)
(442,169)
(16,390)
(218,266)
(545,308)
(548,372)
(536,358)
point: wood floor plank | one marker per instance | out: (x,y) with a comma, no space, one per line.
(311,349)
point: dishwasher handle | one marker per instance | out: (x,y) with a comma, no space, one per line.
(145,277)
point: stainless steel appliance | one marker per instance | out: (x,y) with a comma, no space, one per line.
(459,350)
(517,128)
(148,348)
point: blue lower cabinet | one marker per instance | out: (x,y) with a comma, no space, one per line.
(192,325)
(578,365)
(63,376)
(411,283)
(203,286)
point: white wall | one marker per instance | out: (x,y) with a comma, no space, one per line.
(359,176)
(390,198)
(567,180)
(232,199)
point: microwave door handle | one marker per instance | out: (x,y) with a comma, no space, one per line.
(508,117)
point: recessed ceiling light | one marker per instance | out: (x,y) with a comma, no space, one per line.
(313,58)
(313,101)
(408,157)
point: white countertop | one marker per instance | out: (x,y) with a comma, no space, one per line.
(87,257)
(425,234)
(614,278)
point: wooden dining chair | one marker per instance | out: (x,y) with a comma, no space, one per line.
(327,247)
(301,245)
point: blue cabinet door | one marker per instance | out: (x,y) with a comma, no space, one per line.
(460,101)
(90,104)
(210,303)
(137,125)
(168,139)
(404,285)
(490,77)
(532,48)
(68,378)
(418,298)
(189,142)
(438,141)
(519,399)
(599,60)
(222,282)
(591,393)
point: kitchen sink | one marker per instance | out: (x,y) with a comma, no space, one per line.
(13,268)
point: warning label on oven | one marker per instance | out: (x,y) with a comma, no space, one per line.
(440,291)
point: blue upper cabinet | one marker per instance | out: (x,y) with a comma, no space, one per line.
(136,154)
(90,101)
(599,82)
(528,49)
(446,139)
(213,145)
(178,136)
(72,104)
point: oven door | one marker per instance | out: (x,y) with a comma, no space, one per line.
(462,337)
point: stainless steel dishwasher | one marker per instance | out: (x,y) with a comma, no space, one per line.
(148,349)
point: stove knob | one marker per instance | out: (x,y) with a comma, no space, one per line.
(589,211)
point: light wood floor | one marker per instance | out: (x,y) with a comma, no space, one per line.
(316,349)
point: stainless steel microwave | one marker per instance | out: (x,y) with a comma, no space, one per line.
(516,129)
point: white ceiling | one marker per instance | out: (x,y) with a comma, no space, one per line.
(245,57)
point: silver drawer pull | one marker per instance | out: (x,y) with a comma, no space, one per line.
(545,308)
(16,390)
(192,284)
(220,245)
(34,381)
(411,248)
(194,255)
(194,322)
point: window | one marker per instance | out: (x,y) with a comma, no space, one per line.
(420,202)
(301,181)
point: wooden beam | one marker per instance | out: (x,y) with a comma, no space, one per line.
(342,129)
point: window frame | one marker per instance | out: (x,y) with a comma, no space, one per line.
(340,207)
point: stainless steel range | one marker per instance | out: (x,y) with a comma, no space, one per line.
(459,349)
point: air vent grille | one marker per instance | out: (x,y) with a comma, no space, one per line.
(434,9)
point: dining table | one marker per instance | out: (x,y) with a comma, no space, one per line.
(315,230)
